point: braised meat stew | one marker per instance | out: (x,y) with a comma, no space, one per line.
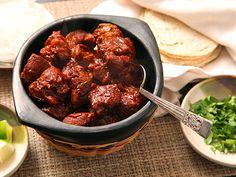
(85,78)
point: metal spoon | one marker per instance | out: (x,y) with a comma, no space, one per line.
(197,123)
(8,115)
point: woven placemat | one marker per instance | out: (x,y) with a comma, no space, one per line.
(160,150)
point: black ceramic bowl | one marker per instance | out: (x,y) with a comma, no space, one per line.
(146,53)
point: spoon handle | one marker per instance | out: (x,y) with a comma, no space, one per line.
(195,122)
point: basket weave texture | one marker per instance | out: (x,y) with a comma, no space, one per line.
(90,150)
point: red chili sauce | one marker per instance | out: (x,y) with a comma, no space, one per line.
(85,79)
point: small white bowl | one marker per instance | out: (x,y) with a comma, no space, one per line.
(21,144)
(219,87)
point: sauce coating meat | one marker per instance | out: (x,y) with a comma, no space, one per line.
(131,100)
(81,118)
(101,73)
(85,78)
(50,87)
(80,37)
(83,54)
(58,111)
(105,98)
(105,30)
(80,82)
(34,68)
(117,49)
(56,49)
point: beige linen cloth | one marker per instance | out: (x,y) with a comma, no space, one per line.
(213,18)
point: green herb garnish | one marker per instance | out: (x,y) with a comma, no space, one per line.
(223,115)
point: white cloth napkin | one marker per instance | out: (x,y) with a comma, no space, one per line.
(19,19)
(213,18)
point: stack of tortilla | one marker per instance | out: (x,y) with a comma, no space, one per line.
(178,43)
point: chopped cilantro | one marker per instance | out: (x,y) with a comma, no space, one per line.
(223,115)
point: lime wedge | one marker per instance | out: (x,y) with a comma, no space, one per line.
(6,150)
(5,131)
(3,134)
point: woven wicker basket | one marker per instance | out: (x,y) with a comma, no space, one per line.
(90,150)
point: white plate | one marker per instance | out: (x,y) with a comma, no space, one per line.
(20,141)
(219,88)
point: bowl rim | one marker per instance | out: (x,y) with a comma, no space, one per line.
(149,107)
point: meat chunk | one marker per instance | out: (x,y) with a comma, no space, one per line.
(106,30)
(71,70)
(80,82)
(117,65)
(96,63)
(131,101)
(80,37)
(100,71)
(56,49)
(102,74)
(83,54)
(109,119)
(80,87)
(117,49)
(57,111)
(105,98)
(50,87)
(82,118)
(56,35)
(34,68)
(117,72)
(126,73)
